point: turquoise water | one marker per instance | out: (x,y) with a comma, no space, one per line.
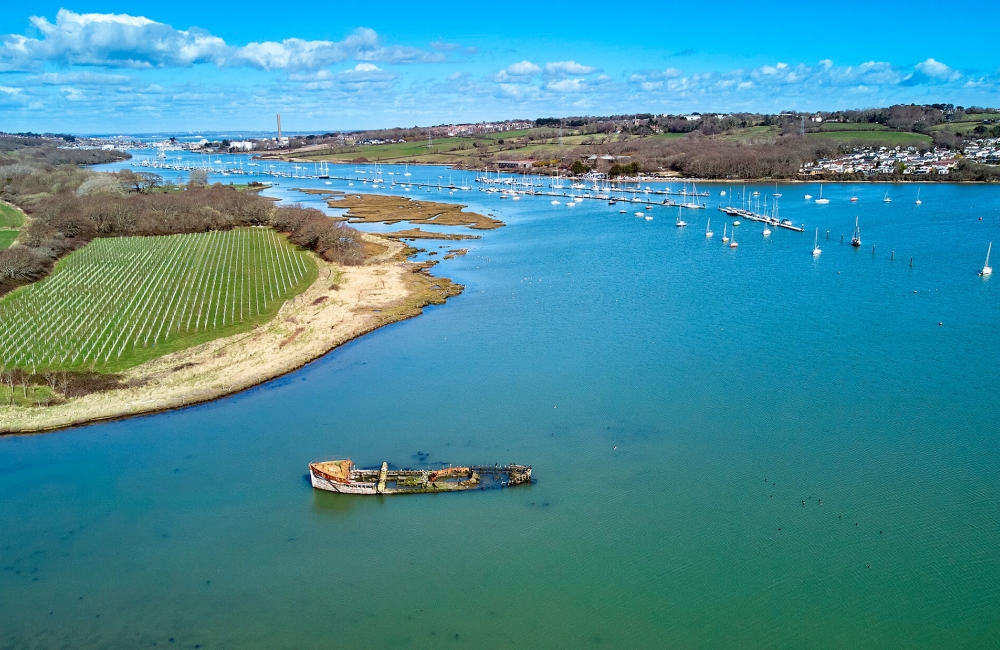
(686,408)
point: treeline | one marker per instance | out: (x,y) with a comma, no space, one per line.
(68,207)
(45,153)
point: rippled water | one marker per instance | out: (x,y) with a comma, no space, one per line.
(732,448)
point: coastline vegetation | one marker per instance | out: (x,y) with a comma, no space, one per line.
(707,146)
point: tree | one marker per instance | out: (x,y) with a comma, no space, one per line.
(198,177)
(579,168)
(139,181)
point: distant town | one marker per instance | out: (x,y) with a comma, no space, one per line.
(906,142)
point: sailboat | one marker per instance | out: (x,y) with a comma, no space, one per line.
(407,173)
(767,231)
(724,238)
(816,248)
(821,200)
(918,197)
(680,222)
(856,237)
(886,199)
(987,269)
(708,226)
(733,243)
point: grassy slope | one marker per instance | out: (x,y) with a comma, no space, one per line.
(840,126)
(179,340)
(7,238)
(876,138)
(10,217)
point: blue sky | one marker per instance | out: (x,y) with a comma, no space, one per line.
(126,67)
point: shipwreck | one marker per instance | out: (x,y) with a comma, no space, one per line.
(344,477)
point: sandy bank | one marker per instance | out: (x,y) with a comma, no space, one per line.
(342,304)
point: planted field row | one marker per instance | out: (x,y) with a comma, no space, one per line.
(120,301)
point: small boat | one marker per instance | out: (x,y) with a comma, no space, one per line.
(918,197)
(708,231)
(987,269)
(724,238)
(821,200)
(649,217)
(623,212)
(856,237)
(736,223)
(816,248)
(640,214)
(344,477)
(555,203)
(808,196)
(680,223)
(767,231)
(733,243)
(886,199)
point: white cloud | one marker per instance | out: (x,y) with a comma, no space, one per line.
(568,67)
(124,41)
(937,70)
(365,72)
(522,69)
(567,85)
(72,94)
(86,78)
(519,90)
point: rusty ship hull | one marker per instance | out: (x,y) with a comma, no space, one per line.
(344,477)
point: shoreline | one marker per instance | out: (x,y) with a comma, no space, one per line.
(650,179)
(342,304)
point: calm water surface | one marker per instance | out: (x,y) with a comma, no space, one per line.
(733,448)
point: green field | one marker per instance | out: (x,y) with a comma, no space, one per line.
(451,150)
(842,126)
(874,138)
(120,301)
(752,133)
(10,217)
(7,238)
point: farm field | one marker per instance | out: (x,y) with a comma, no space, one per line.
(118,302)
(10,217)
(850,126)
(7,238)
(876,138)
(753,133)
